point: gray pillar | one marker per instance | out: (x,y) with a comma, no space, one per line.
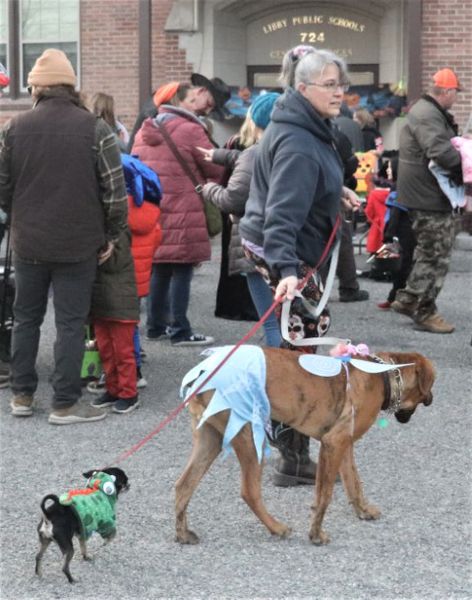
(145,50)
(414,23)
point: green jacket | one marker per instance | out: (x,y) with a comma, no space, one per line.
(426,136)
(114,294)
(94,505)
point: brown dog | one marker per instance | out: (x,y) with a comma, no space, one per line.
(320,407)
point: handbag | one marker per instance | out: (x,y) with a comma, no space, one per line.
(91,363)
(214,222)
(388,258)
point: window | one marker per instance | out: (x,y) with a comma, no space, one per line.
(3,33)
(37,25)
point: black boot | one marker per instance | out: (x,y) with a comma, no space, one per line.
(294,466)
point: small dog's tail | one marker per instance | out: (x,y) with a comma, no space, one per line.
(52,508)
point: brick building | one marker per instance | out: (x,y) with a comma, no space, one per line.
(128,47)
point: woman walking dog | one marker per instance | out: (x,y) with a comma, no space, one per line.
(293,205)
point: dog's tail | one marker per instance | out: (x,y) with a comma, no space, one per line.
(47,510)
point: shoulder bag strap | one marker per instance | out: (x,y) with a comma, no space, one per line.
(6,277)
(188,171)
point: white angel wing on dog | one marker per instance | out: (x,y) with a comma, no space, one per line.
(372,367)
(327,366)
(324,366)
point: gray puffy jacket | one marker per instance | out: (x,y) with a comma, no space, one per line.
(232,200)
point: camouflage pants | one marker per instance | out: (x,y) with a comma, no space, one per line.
(434,233)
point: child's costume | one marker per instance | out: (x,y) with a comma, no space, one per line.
(94,505)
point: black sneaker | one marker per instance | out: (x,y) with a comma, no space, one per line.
(104,400)
(353,295)
(126,405)
(196,339)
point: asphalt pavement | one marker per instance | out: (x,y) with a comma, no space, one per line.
(419,474)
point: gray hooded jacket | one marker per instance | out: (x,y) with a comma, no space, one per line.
(296,187)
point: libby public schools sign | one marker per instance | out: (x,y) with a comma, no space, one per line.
(354,37)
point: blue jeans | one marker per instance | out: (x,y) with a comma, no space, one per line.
(72,291)
(262,297)
(168,300)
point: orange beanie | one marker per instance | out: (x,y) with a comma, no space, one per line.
(165,92)
(446,78)
(52,68)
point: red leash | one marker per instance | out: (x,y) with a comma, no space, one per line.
(248,335)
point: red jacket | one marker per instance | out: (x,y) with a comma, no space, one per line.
(146,236)
(184,233)
(375,213)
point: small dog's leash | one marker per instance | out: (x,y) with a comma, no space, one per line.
(173,414)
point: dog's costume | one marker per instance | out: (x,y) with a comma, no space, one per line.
(240,390)
(94,505)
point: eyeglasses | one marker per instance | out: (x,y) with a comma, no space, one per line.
(331,86)
(29,89)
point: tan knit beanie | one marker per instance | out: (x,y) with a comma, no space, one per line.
(52,68)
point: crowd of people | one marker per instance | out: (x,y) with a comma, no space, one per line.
(105,229)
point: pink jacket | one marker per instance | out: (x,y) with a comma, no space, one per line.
(184,233)
(464,145)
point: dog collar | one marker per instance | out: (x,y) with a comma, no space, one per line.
(393,387)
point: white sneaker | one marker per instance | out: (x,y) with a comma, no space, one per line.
(141,383)
(98,386)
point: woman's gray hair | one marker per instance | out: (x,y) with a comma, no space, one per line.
(302,63)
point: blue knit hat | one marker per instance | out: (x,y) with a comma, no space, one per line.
(261,108)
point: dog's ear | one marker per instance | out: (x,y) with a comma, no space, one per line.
(425,375)
(89,474)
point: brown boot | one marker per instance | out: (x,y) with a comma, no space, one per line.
(294,466)
(404,308)
(434,324)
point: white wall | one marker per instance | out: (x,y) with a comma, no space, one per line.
(392,32)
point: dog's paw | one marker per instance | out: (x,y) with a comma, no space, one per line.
(282,531)
(369,512)
(187,537)
(320,538)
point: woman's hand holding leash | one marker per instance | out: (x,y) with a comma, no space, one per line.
(286,288)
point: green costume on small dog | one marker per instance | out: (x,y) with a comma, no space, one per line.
(94,505)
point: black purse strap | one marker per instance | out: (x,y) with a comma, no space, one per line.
(197,186)
(6,278)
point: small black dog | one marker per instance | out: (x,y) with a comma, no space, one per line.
(80,513)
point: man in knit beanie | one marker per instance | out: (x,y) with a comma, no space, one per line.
(66,199)
(427,135)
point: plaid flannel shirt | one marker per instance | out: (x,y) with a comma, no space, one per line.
(109,174)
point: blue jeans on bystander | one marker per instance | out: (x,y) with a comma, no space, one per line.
(169,293)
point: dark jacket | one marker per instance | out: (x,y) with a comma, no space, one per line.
(370,135)
(426,136)
(61,177)
(114,293)
(232,200)
(296,187)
